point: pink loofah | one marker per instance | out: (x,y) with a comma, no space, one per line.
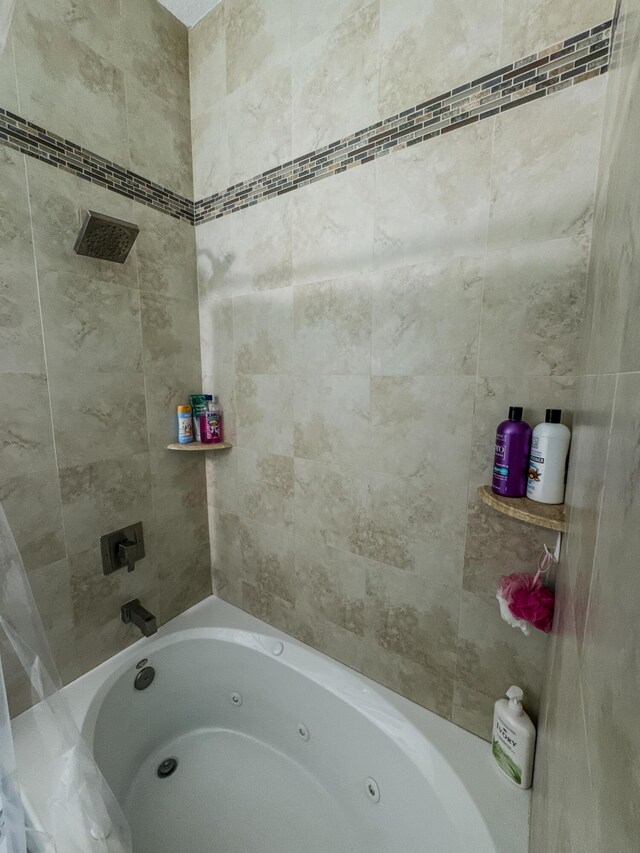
(528,600)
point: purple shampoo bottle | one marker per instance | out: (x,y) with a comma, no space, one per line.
(513,439)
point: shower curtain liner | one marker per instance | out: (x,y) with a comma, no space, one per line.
(83,814)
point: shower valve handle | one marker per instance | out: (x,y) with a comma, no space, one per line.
(128,553)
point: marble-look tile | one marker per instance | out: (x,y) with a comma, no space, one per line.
(483,639)
(609,670)
(31,503)
(103,496)
(259,124)
(428,48)
(426,318)
(590,440)
(331,419)
(330,503)
(331,583)
(223,536)
(332,326)
(156,51)
(26,442)
(58,204)
(216,336)
(528,27)
(247,252)
(97,416)
(163,394)
(107,640)
(333,224)
(52,593)
(159,139)
(533,309)
(89,324)
(444,203)
(265,487)
(307,24)
(335,81)
(494,395)
(264,413)
(8,85)
(209,139)
(170,333)
(177,482)
(421,427)
(545,160)
(222,481)
(61,81)
(410,526)
(258,35)
(472,710)
(207,61)
(166,255)
(96,598)
(265,561)
(263,332)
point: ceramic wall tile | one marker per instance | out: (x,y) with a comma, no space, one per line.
(343,60)
(209,138)
(426,317)
(263,332)
(82,318)
(51,590)
(163,394)
(259,124)
(331,419)
(544,161)
(26,442)
(106,641)
(165,250)
(97,416)
(266,563)
(216,336)
(258,35)
(307,24)
(103,496)
(8,85)
(223,536)
(207,61)
(184,561)
(264,413)
(265,487)
(31,503)
(177,482)
(333,226)
(332,326)
(428,48)
(169,332)
(444,204)
(533,307)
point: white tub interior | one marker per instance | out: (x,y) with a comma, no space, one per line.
(285,752)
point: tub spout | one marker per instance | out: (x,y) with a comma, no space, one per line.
(134,612)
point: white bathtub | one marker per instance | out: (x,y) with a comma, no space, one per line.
(279,749)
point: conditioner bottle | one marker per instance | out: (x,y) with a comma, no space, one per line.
(548,460)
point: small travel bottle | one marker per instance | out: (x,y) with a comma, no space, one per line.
(513,437)
(185,425)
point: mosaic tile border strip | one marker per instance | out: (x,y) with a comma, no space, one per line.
(564,64)
(36,141)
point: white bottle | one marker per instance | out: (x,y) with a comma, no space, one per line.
(514,738)
(548,460)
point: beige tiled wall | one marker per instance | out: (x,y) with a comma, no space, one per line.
(585,794)
(367,333)
(94,356)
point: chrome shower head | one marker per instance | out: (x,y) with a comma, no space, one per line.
(105,238)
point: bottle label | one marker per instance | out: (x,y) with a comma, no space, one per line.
(536,464)
(503,747)
(214,422)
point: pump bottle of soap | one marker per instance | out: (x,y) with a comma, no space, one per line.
(514,738)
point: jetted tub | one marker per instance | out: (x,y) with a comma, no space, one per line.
(280,750)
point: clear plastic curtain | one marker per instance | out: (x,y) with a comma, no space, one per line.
(83,815)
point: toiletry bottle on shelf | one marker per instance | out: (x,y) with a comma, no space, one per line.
(548,460)
(185,425)
(514,738)
(215,428)
(199,406)
(511,455)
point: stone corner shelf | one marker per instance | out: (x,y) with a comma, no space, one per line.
(197,445)
(549,516)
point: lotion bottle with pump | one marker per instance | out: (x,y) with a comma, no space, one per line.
(548,460)
(514,738)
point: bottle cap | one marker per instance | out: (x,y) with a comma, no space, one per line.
(553,416)
(184,409)
(515,413)
(515,695)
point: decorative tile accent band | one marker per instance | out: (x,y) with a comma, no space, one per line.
(564,64)
(31,139)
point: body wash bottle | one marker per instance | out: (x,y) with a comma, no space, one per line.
(513,437)
(514,738)
(548,460)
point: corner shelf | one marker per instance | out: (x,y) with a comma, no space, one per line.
(195,446)
(549,516)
